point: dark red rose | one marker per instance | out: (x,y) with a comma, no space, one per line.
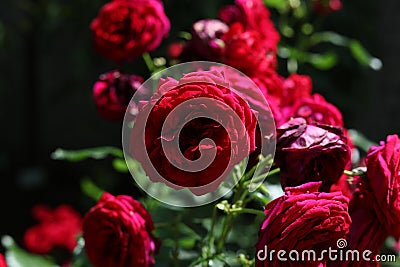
(58,228)
(308,153)
(383,171)
(366,231)
(232,129)
(113,92)
(3,262)
(302,219)
(206,38)
(118,232)
(315,109)
(126,29)
(254,15)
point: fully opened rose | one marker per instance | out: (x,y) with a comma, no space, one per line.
(193,131)
(302,219)
(118,232)
(125,29)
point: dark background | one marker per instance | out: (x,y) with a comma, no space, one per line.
(48,67)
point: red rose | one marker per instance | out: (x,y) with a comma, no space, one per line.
(270,83)
(113,92)
(3,262)
(302,219)
(308,153)
(117,232)
(57,228)
(383,171)
(254,15)
(125,29)
(295,87)
(315,109)
(175,50)
(238,43)
(209,110)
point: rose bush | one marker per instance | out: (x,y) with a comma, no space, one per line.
(118,232)
(125,29)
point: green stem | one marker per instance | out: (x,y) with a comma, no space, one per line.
(149,62)
(246,210)
(91,189)
(211,237)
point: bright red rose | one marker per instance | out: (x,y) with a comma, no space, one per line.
(217,113)
(3,262)
(126,29)
(314,109)
(175,50)
(113,92)
(307,153)
(295,87)
(238,43)
(302,219)
(270,83)
(254,15)
(383,171)
(58,228)
(118,232)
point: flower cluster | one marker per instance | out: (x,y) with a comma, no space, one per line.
(218,117)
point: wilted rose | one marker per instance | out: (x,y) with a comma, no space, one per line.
(126,29)
(308,153)
(118,232)
(302,219)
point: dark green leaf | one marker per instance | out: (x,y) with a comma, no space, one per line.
(94,153)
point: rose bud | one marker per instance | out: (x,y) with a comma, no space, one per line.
(383,171)
(315,109)
(307,153)
(302,219)
(206,38)
(193,131)
(113,92)
(118,232)
(126,29)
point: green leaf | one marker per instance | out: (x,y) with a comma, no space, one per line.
(94,153)
(277,4)
(363,56)
(17,257)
